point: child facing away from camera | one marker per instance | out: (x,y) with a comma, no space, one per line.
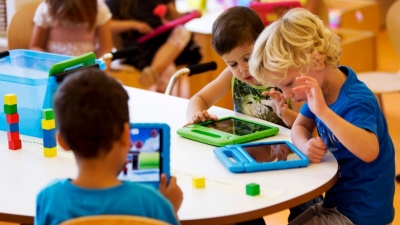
(72,27)
(233,35)
(299,55)
(100,149)
(156,58)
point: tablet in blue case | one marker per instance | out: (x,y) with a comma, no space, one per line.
(149,154)
(259,156)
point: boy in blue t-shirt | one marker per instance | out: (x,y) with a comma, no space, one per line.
(92,113)
(299,55)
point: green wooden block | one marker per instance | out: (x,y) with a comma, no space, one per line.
(10,109)
(48,114)
(252,189)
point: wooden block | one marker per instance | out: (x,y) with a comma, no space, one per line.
(48,124)
(50,152)
(10,99)
(198,182)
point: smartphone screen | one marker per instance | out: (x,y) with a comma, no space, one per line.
(271,153)
(144,159)
(236,127)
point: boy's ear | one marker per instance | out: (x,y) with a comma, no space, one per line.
(61,142)
(126,136)
(319,61)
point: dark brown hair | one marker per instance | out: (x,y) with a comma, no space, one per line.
(91,109)
(235,27)
(74,11)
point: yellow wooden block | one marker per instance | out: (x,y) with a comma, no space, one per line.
(198,182)
(10,99)
(50,152)
(48,124)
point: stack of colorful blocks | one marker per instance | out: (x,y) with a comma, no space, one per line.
(49,133)
(12,117)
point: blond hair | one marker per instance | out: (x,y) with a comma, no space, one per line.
(298,40)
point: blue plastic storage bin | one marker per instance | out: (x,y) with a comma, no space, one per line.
(27,74)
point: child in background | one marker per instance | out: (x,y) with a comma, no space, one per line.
(158,56)
(233,35)
(100,149)
(72,27)
(299,55)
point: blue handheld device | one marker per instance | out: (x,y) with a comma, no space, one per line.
(259,156)
(149,154)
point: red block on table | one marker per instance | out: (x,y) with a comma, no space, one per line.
(12,118)
(13,136)
(14,145)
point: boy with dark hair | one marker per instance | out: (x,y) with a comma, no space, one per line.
(91,110)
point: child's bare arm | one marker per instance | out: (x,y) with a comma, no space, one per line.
(38,39)
(207,97)
(171,191)
(104,39)
(119,26)
(362,143)
(302,137)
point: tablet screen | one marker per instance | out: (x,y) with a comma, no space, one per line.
(271,153)
(236,127)
(144,161)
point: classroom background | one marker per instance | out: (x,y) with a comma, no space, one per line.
(365,42)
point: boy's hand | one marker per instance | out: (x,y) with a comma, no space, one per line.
(171,191)
(141,27)
(279,102)
(316,149)
(201,116)
(312,91)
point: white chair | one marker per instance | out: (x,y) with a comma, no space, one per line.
(113,220)
(384,82)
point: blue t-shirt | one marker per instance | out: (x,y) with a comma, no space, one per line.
(364,191)
(62,200)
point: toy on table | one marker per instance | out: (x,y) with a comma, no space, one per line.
(49,133)
(227,130)
(260,156)
(12,119)
(199,182)
(253,189)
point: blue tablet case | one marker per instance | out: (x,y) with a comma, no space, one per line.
(149,155)
(260,156)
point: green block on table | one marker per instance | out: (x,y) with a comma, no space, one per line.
(149,160)
(10,109)
(47,114)
(252,189)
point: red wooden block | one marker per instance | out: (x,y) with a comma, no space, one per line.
(13,136)
(12,118)
(14,145)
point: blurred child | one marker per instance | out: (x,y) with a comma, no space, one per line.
(299,55)
(72,27)
(100,149)
(156,58)
(233,35)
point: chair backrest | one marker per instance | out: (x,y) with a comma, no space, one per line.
(113,220)
(21,25)
(393,25)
